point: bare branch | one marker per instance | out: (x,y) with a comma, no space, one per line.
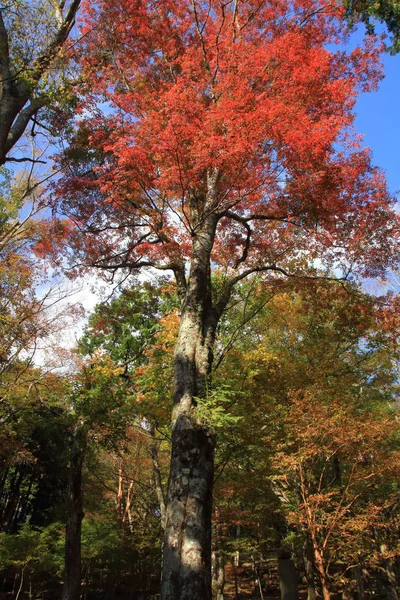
(26,159)
(22,121)
(43,62)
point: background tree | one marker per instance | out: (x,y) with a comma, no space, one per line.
(104,411)
(315,354)
(32,48)
(385,11)
(318,359)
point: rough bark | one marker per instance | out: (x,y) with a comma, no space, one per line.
(218,575)
(187,542)
(72,583)
(187,546)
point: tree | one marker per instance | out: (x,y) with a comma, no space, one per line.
(32,446)
(33,464)
(29,298)
(316,366)
(385,11)
(31,552)
(331,474)
(318,355)
(32,39)
(102,395)
(224,143)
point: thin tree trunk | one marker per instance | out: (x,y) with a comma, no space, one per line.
(390,583)
(157,478)
(73,567)
(127,513)
(257,580)
(309,570)
(13,501)
(319,564)
(235,578)
(218,566)
(360,583)
(3,481)
(120,494)
(14,583)
(387,578)
(26,498)
(21,583)
(311,593)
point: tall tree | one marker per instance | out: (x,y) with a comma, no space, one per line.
(224,142)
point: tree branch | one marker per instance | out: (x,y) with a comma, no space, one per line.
(26,159)
(42,63)
(4,53)
(248,237)
(22,121)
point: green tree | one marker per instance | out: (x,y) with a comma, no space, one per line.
(370,11)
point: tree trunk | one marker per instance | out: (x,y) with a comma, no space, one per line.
(157,478)
(309,570)
(390,581)
(235,578)
(218,565)
(320,566)
(287,577)
(15,92)
(12,101)
(72,583)
(13,500)
(21,582)
(187,542)
(120,494)
(127,514)
(218,575)
(358,576)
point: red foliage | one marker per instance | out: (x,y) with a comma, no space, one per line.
(252,92)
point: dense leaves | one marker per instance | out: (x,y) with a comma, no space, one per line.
(248,98)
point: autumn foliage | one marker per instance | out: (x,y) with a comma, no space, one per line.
(214,139)
(256,93)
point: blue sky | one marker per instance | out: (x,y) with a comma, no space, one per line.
(378,118)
